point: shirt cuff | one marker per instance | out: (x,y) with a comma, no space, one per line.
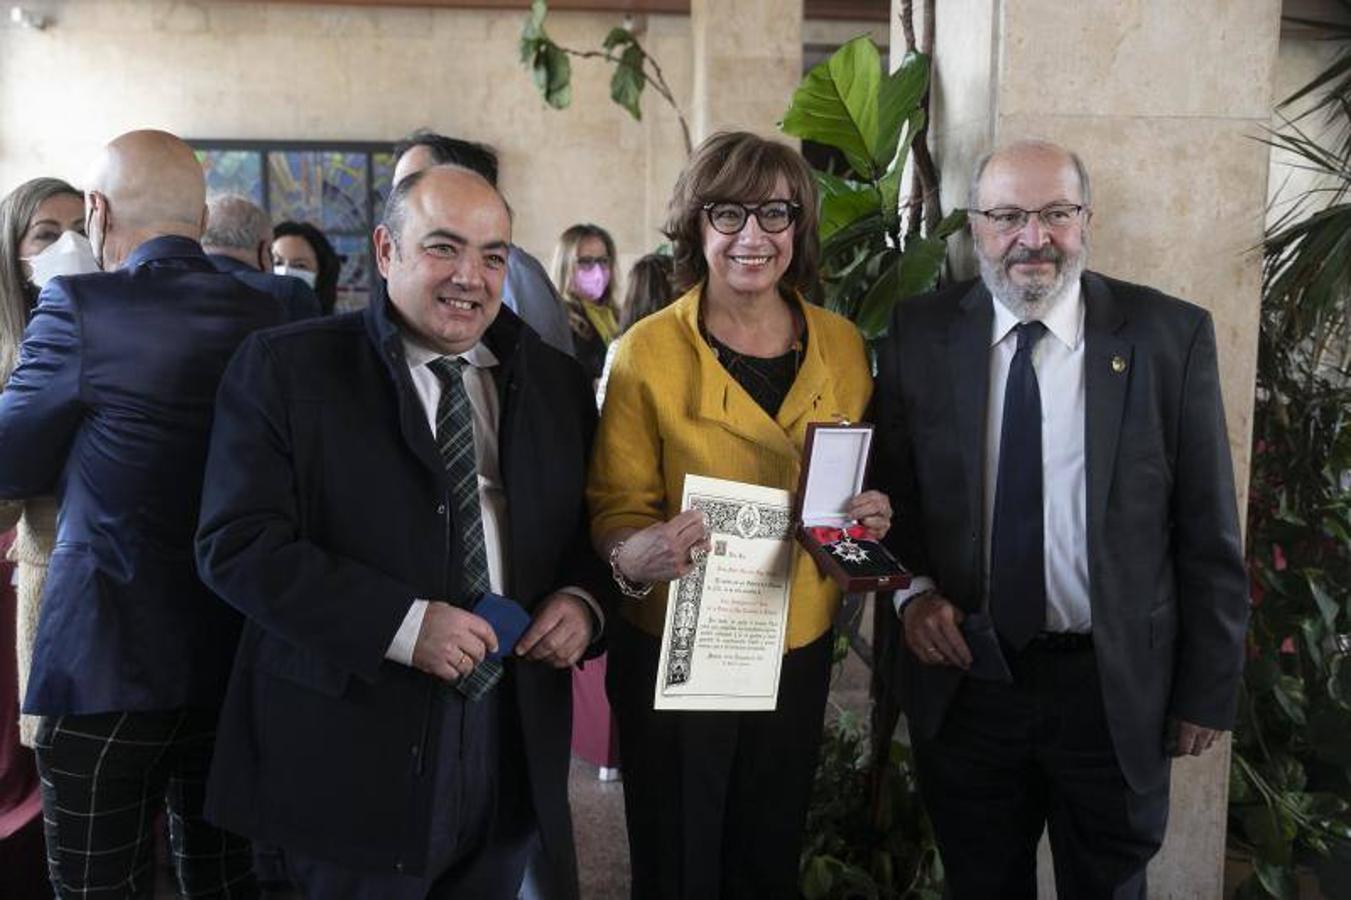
(597,614)
(920,584)
(405,639)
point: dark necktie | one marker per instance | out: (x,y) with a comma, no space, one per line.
(455,439)
(1017,560)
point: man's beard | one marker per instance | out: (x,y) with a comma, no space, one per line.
(1029,301)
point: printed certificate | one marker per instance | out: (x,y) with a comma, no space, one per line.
(723,642)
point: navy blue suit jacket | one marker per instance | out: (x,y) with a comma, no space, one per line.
(297,300)
(110,408)
(327,510)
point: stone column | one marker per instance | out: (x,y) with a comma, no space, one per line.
(747,63)
(1162,100)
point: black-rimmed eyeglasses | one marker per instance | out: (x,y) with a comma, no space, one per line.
(773,216)
(1007,219)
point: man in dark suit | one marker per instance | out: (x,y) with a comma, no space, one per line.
(1054,444)
(238,240)
(371,475)
(110,409)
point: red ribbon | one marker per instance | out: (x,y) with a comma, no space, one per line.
(824,534)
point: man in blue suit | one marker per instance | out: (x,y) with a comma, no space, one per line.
(238,240)
(110,408)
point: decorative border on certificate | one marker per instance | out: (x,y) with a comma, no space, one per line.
(725,516)
(727,617)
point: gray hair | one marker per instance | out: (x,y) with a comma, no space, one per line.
(236,222)
(978,170)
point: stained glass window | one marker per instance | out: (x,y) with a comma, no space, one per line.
(338,188)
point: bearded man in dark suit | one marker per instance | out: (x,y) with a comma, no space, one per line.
(1054,444)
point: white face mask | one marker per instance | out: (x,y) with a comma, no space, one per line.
(70,254)
(304,275)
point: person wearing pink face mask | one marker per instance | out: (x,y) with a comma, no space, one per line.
(583,267)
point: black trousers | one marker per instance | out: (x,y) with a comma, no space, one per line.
(715,801)
(481,835)
(1013,760)
(105,777)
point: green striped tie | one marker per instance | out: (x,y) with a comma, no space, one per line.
(455,439)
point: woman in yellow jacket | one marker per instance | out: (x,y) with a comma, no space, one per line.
(722,383)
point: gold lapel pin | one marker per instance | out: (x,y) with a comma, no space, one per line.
(1118,364)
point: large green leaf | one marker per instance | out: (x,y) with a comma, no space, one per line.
(952,223)
(553,75)
(828,184)
(626,85)
(898,100)
(920,266)
(1278,881)
(817,880)
(874,311)
(1339,682)
(869,230)
(1289,694)
(840,210)
(837,104)
(618,37)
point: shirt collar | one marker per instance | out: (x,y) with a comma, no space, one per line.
(1064,319)
(478,355)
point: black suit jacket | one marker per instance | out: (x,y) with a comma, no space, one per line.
(1167,586)
(295,296)
(326,512)
(110,409)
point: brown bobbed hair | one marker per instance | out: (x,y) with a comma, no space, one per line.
(741,167)
(649,289)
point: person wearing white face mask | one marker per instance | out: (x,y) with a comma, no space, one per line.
(300,250)
(41,235)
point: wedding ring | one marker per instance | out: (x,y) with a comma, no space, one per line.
(698,555)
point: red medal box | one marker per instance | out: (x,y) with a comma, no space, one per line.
(835,464)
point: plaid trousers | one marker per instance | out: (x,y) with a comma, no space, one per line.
(104,778)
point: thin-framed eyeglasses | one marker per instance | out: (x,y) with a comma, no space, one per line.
(774,216)
(590,262)
(1008,219)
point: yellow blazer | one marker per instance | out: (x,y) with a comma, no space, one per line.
(672,409)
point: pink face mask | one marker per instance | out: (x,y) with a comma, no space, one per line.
(591,281)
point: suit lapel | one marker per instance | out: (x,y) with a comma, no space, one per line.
(968,348)
(1107,371)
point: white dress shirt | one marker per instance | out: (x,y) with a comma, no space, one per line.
(482,393)
(1058,360)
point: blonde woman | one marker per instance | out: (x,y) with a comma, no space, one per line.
(32,217)
(584,275)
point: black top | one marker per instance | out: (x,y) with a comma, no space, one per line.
(768,379)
